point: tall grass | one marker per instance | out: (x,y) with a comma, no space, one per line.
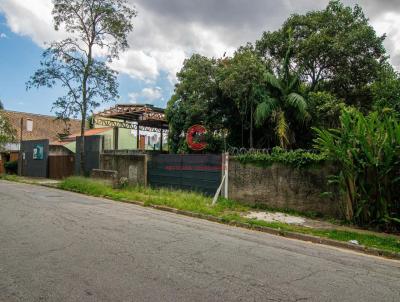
(227,210)
(181,200)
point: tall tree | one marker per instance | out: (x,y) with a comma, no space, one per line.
(98,31)
(283,99)
(244,78)
(336,49)
(386,90)
(198,99)
(1,105)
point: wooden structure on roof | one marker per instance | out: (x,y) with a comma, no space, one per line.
(135,117)
(145,117)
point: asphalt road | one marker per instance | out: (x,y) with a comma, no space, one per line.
(61,246)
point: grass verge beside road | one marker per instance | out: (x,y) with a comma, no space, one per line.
(226,210)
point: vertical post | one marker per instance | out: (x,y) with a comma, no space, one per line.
(20,159)
(161,140)
(226,167)
(116,137)
(224,181)
(138,136)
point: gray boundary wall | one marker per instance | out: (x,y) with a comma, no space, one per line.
(129,165)
(282,187)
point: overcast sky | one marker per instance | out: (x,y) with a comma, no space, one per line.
(168,31)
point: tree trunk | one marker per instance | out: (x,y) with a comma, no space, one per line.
(242,133)
(349,199)
(84,109)
(251,126)
(83,124)
(82,146)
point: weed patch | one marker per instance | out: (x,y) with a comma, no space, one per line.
(227,210)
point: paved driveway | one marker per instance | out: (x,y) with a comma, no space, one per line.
(61,246)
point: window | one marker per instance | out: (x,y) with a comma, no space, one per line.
(29,125)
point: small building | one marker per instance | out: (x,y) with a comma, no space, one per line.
(30,126)
(133,127)
(69,142)
(126,127)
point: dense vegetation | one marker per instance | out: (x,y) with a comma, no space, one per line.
(271,93)
(366,149)
(11,167)
(320,71)
(294,158)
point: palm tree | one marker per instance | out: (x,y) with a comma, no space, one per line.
(283,98)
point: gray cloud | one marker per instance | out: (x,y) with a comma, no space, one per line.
(233,13)
(235,22)
(168,31)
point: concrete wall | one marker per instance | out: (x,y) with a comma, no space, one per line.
(282,187)
(131,166)
(110,177)
(108,140)
(126,139)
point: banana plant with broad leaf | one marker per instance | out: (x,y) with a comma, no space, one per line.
(366,152)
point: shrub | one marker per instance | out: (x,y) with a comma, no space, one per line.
(366,150)
(295,158)
(11,167)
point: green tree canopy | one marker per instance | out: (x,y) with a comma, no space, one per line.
(335,49)
(325,109)
(300,76)
(244,80)
(92,25)
(7,132)
(197,100)
(386,90)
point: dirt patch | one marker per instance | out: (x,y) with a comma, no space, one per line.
(276,217)
(290,219)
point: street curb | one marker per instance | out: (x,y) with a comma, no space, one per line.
(277,232)
(286,234)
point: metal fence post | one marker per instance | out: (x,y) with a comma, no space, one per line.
(226,167)
(224,181)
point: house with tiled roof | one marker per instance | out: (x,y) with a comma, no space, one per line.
(69,142)
(31,126)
